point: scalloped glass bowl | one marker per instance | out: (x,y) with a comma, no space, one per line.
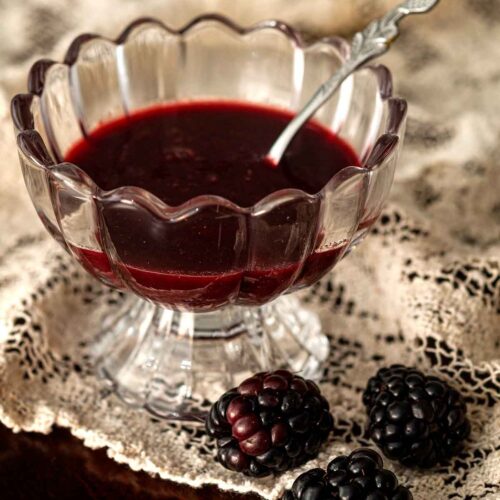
(187,343)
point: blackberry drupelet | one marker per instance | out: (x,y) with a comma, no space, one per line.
(359,476)
(417,420)
(271,422)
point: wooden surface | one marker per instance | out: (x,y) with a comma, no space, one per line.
(59,467)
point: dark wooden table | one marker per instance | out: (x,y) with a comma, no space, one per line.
(59,467)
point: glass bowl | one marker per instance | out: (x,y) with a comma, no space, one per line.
(202,317)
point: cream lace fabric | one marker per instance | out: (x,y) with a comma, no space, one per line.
(423,289)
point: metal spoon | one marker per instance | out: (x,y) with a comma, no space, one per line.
(373,41)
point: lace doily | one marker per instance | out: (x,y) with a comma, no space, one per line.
(423,289)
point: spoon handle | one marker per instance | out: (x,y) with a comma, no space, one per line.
(373,41)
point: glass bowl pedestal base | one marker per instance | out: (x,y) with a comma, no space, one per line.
(173,364)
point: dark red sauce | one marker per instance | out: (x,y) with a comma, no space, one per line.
(215,255)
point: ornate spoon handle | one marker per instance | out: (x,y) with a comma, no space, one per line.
(373,41)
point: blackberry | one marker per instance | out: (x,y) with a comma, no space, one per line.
(417,420)
(271,422)
(359,476)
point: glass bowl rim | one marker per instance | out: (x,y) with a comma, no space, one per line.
(34,148)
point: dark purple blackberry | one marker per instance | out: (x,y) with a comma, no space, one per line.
(271,422)
(417,420)
(360,476)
